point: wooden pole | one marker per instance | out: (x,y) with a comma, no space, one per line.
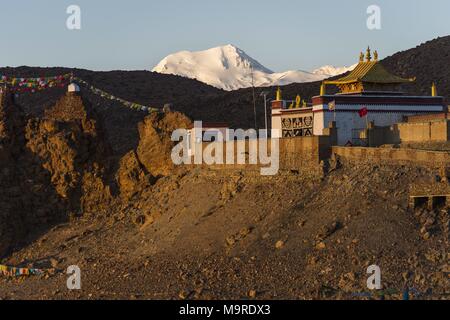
(254,99)
(368,130)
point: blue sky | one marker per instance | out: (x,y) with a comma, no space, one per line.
(282,34)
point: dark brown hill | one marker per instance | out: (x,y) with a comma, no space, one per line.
(428,62)
(121,123)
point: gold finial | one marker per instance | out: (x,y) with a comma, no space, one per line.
(291,106)
(322,89)
(375,55)
(361,57)
(279,98)
(298,100)
(368,55)
(434,90)
(305,104)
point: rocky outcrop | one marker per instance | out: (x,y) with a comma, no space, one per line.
(11,127)
(155,143)
(60,166)
(51,168)
(132,176)
(11,139)
(140,169)
(71,147)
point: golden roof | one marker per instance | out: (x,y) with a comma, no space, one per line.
(370,71)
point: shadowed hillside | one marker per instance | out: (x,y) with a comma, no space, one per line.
(428,62)
(143,87)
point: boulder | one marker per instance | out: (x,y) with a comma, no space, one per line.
(155,145)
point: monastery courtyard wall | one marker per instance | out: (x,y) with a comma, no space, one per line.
(309,156)
(300,154)
(435,159)
(427,131)
(424,131)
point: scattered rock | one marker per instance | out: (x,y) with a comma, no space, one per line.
(321,246)
(328,230)
(183,295)
(231,241)
(54,262)
(301,223)
(279,244)
(245,232)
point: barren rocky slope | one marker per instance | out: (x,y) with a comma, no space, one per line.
(89,183)
(140,228)
(209,235)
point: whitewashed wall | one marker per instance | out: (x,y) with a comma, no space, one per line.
(348,120)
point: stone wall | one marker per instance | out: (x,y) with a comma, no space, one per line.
(304,151)
(430,131)
(302,154)
(394,156)
(296,153)
(424,131)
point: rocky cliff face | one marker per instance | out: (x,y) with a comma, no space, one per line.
(11,126)
(51,168)
(155,145)
(199,228)
(71,147)
(11,141)
(151,160)
(60,166)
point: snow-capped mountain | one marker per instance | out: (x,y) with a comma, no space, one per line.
(331,71)
(230,68)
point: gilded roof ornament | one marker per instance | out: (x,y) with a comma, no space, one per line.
(298,101)
(368,55)
(434,90)
(279,98)
(375,55)
(361,57)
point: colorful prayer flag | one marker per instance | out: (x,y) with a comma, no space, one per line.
(363,112)
(332,106)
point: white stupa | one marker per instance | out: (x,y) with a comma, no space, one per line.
(73,87)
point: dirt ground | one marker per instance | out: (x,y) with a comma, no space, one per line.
(204,234)
(138,227)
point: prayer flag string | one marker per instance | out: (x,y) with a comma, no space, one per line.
(19,85)
(106,95)
(18,272)
(35,84)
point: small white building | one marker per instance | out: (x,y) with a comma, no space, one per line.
(291,118)
(206,132)
(73,88)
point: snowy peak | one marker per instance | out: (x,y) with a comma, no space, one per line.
(332,71)
(230,68)
(222,58)
(235,58)
(226,67)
